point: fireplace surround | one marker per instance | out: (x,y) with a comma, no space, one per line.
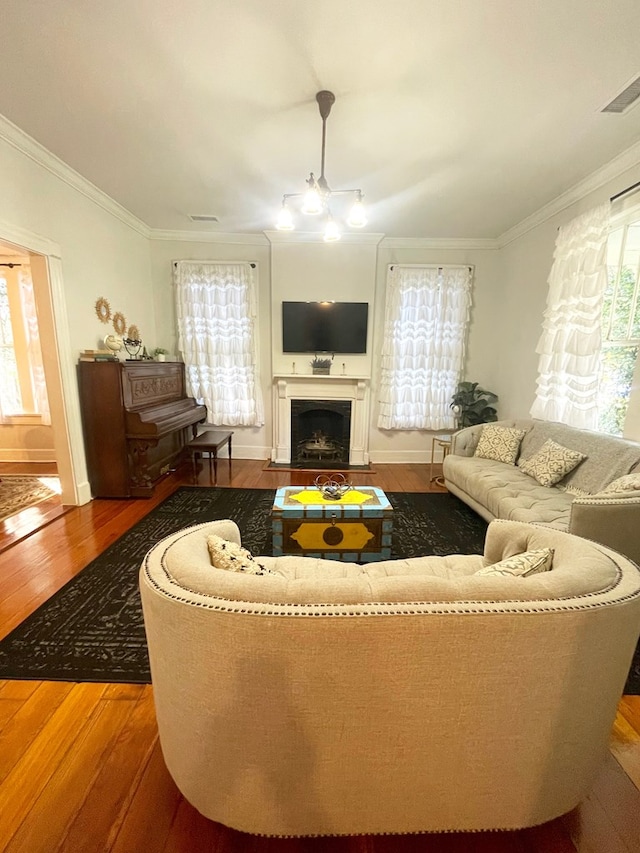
(335,395)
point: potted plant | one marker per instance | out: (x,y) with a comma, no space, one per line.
(471,405)
(321,365)
(160,353)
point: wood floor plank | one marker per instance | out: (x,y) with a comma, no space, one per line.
(100,817)
(18,689)
(625,747)
(28,722)
(45,824)
(150,816)
(41,758)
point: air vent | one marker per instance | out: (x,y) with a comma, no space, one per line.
(203,217)
(623,101)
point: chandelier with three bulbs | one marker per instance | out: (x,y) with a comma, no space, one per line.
(317,198)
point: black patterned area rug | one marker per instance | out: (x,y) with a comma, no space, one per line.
(92,629)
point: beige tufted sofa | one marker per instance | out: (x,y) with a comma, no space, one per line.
(395,697)
(497,490)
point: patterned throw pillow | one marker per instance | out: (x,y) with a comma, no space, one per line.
(521,565)
(628,483)
(234,558)
(551,463)
(500,443)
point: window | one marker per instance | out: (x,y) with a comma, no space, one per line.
(216,316)
(426,319)
(22,382)
(620,326)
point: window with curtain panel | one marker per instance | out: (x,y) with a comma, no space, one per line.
(23,390)
(426,324)
(216,311)
(620,322)
(571,341)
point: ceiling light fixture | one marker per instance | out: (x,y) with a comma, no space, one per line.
(316,198)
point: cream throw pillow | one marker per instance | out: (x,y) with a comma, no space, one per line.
(551,463)
(628,483)
(500,443)
(521,565)
(234,558)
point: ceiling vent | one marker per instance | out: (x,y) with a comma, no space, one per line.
(625,99)
(205,217)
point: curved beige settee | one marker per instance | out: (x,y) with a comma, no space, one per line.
(395,697)
(498,490)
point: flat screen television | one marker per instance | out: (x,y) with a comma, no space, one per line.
(339,327)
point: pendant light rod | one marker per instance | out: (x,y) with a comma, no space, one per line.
(325,101)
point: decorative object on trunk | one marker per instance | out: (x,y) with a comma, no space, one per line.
(321,365)
(160,353)
(332,486)
(134,333)
(471,405)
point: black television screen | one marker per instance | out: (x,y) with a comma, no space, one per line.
(339,327)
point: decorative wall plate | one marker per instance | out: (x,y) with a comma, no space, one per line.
(103,310)
(119,323)
(134,333)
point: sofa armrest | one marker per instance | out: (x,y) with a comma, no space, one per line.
(613,521)
(464,442)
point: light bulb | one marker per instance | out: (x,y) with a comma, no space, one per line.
(357,217)
(285,220)
(331,232)
(312,203)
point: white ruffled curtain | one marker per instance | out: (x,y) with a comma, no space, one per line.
(34,350)
(571,340)
(426,320)
(216,315)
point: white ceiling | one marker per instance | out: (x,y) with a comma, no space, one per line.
(457,118)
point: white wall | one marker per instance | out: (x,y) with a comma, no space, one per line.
(100,256)
(525,266)
(318,272)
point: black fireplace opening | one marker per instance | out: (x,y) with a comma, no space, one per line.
(320,433)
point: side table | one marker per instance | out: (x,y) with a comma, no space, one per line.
(443,441)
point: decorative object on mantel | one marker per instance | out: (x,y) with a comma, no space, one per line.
(318,195)
(113,343)
(134,333)
(103,310)
(119,323)
(332,486)
(471,405)
(160,353)
(321,366)
(133,347)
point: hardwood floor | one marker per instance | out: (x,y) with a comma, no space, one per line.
(81,767)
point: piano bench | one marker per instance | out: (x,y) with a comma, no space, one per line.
(209,442)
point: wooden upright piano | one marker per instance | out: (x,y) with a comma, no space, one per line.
(136,419)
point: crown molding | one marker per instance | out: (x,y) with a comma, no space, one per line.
(362,238)
(24,143)
(611,170)
(439,243)
(208,237)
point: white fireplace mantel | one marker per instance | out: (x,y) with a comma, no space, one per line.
(301,386)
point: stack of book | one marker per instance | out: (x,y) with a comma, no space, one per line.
(98,355)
